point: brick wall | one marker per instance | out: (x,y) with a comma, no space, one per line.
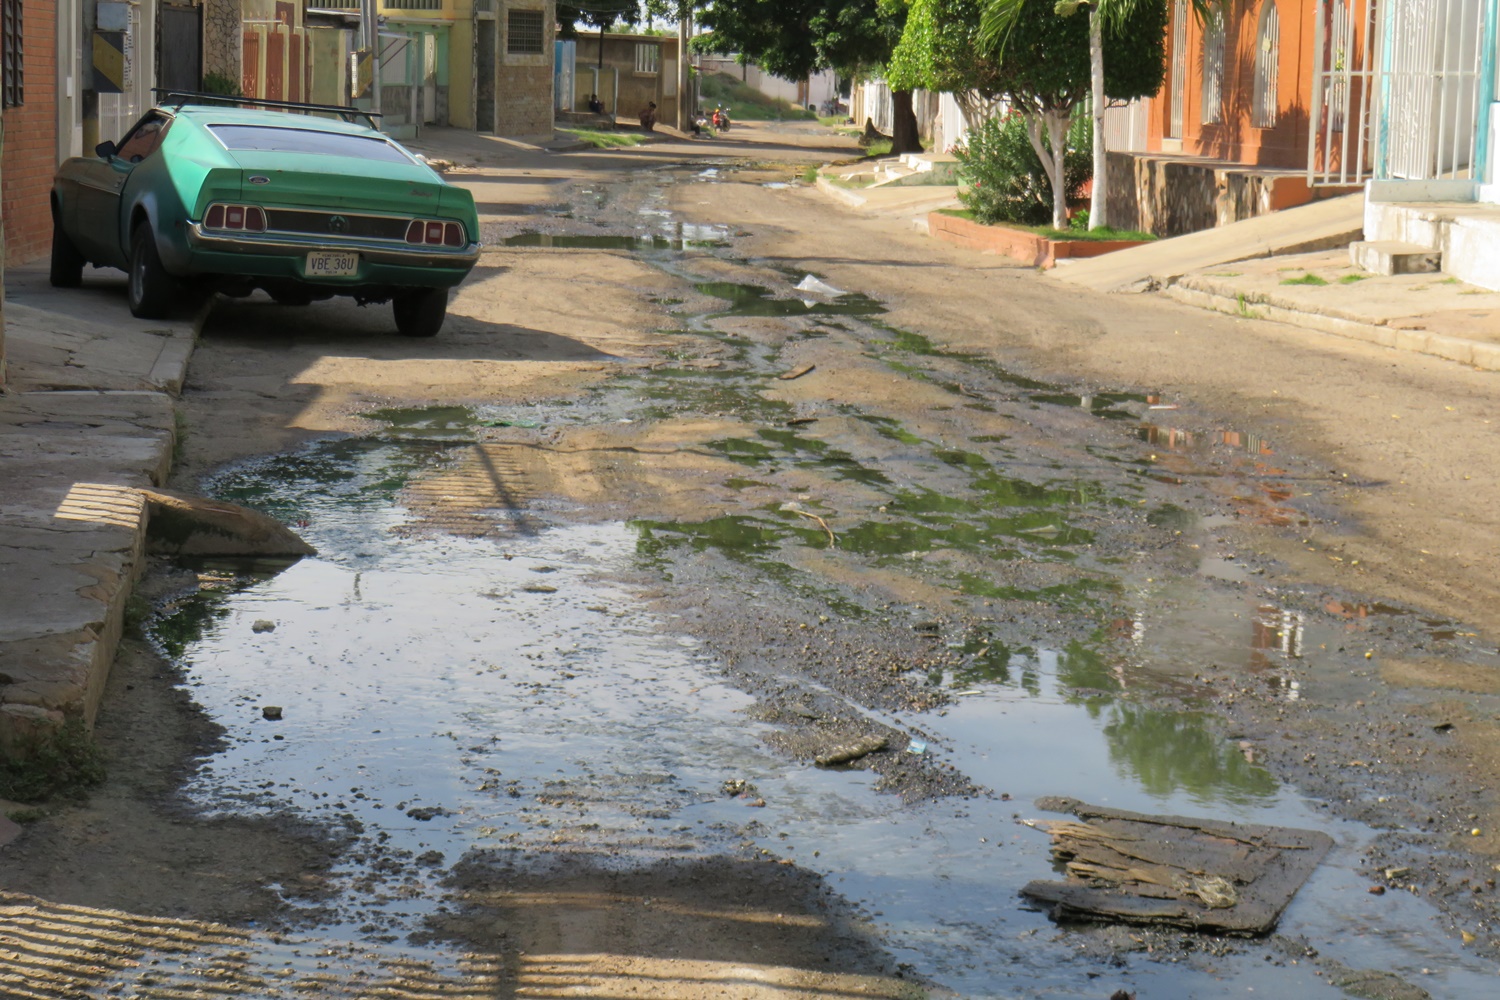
(523,83)
(30,154)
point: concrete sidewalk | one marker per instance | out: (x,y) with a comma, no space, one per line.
(1424,313)
(87,416)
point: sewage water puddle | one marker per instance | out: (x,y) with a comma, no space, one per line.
(448,700)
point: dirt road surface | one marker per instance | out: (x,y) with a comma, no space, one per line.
(706,479)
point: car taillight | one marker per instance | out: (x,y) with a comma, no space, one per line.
(432,233)
(242,218)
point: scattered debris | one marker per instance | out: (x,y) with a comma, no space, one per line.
(262,625)
(792,508)
(844,753)
(800,421)
(428,812)
(539,588)
(916,746)
(520,422)
(271,713)
(818,287)
(1233,878)
(797,372)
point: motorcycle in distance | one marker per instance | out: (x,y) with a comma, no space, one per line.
(721,119)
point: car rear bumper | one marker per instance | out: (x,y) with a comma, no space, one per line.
(280,255)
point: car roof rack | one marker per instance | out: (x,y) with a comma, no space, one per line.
(178,98)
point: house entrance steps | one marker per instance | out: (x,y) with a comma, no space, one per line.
(1464,235)
(1394,257)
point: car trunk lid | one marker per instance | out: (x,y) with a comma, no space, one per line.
(311,180)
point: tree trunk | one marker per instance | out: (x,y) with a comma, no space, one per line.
(1057,131)
(903,124)
(1099,200)
(1054,159)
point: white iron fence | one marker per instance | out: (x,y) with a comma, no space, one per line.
(1395,90)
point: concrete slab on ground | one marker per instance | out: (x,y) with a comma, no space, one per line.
(1425,313)
(893,200)
(88,416)
(1322,225)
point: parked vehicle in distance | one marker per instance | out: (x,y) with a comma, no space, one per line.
(205,195)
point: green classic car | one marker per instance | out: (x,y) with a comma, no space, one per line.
(203,196)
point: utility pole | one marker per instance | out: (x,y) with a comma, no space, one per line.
(684,78)
(369,19)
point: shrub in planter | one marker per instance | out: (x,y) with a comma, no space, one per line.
(1004,178)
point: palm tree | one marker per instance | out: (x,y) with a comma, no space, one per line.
(1000,17)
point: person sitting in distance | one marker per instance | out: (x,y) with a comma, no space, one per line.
(595,105)
(648,116)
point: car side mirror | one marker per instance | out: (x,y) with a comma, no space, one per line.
(106,150)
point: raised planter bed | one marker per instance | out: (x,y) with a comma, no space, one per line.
(1033,248)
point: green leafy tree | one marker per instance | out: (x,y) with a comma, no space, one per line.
(1004,178)
(794,38)
(940,51)
(1120,23)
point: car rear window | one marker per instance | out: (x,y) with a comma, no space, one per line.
(299,140)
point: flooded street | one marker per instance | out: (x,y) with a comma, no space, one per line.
(665,518)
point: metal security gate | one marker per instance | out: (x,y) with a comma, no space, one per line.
(179,52)
(1395,90)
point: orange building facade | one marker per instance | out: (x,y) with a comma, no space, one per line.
(1228,136)
(1239,86)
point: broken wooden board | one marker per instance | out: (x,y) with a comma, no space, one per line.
(1228,878)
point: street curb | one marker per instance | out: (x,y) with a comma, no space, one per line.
(62,662)
(1207,294)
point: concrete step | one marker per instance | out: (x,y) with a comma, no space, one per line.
(1394,257)
(1466,233)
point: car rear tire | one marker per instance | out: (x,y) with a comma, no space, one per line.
(67,263)
(421,313)
(151,290)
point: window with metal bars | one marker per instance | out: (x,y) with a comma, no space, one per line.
(12,48)
(1263,109)
(1213,67)
(647,57)
(523,33)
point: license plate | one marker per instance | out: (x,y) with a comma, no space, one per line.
(331,264)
